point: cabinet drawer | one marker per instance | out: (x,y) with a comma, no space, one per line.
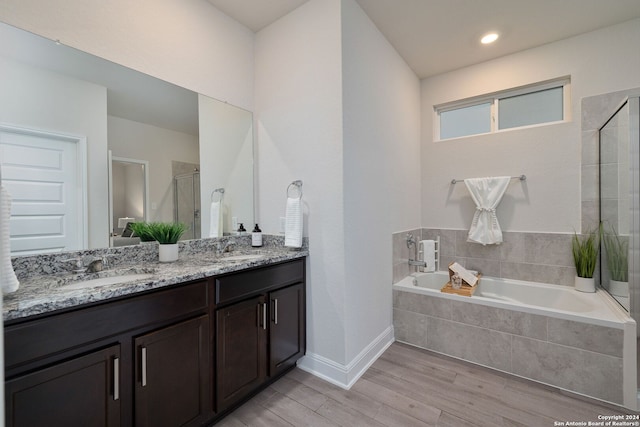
(35,339)
(242,285)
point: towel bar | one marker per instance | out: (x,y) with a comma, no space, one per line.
(521,178)
(217,190)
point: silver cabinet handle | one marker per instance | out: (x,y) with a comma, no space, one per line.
(116,378)
(275,315)
(264,315)
(144,366)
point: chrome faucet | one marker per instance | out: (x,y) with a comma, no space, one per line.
(78,263)
(222,246)
(411,241)
(95,264)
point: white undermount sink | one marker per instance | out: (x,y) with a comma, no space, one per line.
(247,257)
(103,281)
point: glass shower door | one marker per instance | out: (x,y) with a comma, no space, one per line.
(187,203)
(614,205)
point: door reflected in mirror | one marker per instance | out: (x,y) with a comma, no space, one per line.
(129,190)
(186,191)
(59,89)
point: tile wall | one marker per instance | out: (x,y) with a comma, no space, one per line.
(583,358)
(538,257)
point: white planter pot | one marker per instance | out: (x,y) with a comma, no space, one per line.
(585,284)
(619,289)
(168,253)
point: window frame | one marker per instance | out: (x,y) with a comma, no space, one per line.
(494,99)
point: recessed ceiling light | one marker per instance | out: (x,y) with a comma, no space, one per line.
(489,38)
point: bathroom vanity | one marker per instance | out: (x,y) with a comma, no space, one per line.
(180,354)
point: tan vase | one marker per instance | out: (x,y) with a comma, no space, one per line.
(585,284)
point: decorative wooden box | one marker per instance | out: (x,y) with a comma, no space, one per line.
(465,289)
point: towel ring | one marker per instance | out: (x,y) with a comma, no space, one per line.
(217,190)
(298,185)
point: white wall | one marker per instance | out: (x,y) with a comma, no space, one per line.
(339,109)
(226,145)
(159,147)
(298,120)
(381,104)
(189,42)
(598,62)
(39,99)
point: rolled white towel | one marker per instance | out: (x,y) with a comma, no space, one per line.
(429,254)
(215,219)
(293,223)
(8,279)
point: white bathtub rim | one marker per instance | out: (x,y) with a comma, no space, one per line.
(616,316)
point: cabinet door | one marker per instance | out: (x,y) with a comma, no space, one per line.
(172,378)
(241,349)
(287,330)
(79,392)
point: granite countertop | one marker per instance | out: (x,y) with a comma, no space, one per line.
(47,293)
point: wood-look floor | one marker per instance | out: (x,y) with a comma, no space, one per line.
(413,387)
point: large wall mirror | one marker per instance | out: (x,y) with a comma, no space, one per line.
(64,110)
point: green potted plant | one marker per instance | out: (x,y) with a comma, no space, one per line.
(141,230)
(585,257)
(617,252)
(167,235)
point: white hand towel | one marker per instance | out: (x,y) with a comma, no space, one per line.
(8,279)
(429,254)
(486,193)
(293,223)
(215,219)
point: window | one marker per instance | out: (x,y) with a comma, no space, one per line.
(463,121)
(532,105)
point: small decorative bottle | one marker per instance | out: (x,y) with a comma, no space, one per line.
(456,281)
(256,237)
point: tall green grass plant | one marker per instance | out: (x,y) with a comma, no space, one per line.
(585,253)
(166,233)
(617,251)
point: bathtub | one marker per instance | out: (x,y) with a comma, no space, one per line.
(581,342)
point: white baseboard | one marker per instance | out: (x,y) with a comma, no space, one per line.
(345,376)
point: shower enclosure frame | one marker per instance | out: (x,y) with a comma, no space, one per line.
(630,110)
(195,226)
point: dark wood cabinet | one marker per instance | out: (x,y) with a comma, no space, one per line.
(241,343)
(287,337)
(83,391)
(261,336)
(76,368)
(171,375)
(184,355)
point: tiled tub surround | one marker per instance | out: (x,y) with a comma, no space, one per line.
(42,276)
(591,356)
(536,257)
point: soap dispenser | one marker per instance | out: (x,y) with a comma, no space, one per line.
(241,230)
(256,237)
